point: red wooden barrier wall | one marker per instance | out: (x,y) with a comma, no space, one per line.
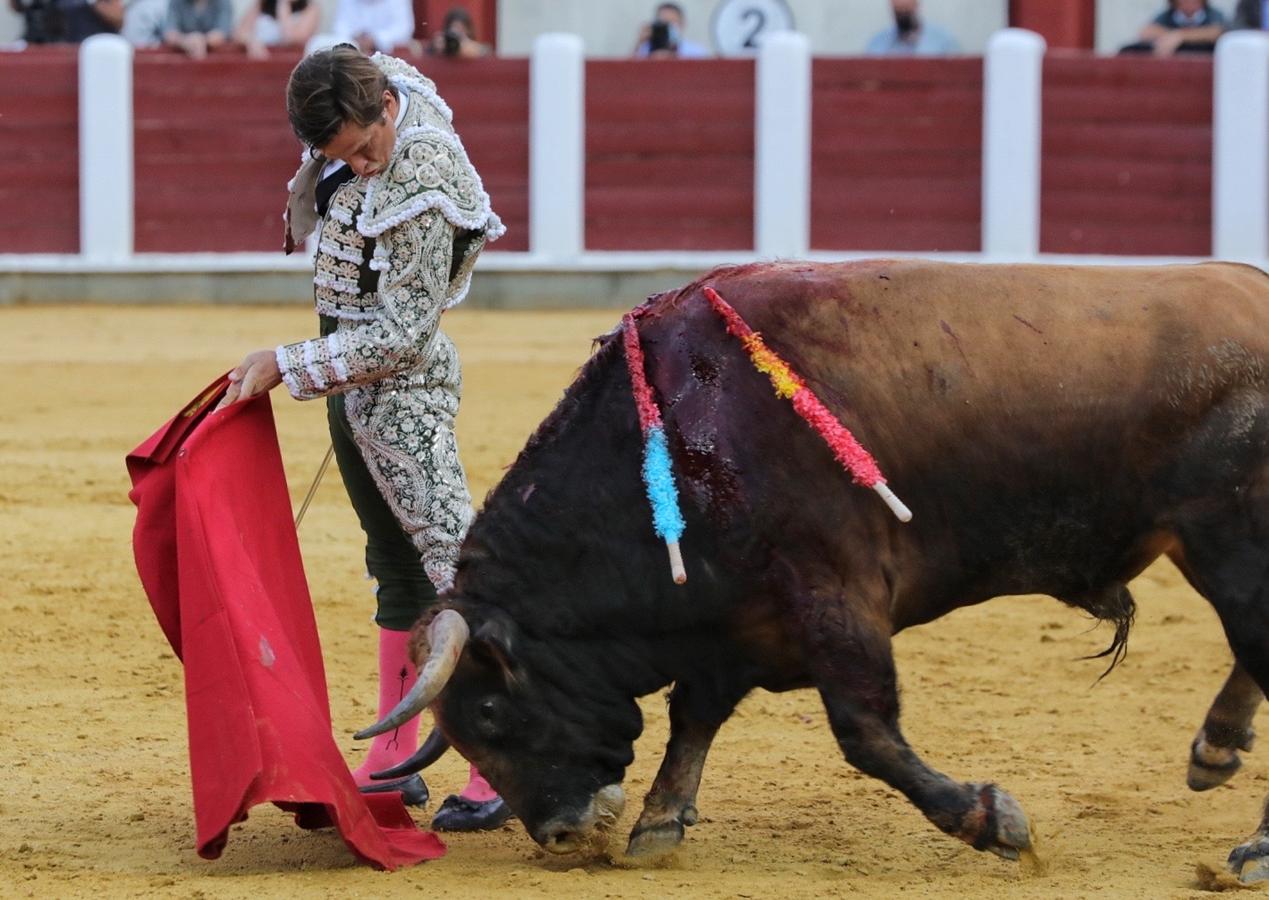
(1126,156)
(39,151)
(490,99)
(896,154)
(1126,166)
(669,154)
(214,150)
(1066,23)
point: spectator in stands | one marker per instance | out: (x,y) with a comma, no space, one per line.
(910,35)
(662,38)
(198,26)
(457,37)
(1250,14)
(143,22)
(277,23)
(1186,26)
(375,24)
(67,21)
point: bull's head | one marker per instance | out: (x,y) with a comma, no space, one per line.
(557,759)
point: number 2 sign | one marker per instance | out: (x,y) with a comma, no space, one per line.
(739,25)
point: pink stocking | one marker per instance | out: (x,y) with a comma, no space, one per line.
(396,676)
(477,788)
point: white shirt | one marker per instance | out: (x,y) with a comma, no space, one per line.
(390,23)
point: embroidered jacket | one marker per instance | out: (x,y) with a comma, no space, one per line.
(394,252)
(408,220)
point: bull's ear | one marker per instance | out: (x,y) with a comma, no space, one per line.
(494,642)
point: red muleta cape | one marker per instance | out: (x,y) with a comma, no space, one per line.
(217,553)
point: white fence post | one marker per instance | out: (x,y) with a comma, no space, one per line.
(105,148)
(1240,147)
(557,154)
(782,146)
(1012,74)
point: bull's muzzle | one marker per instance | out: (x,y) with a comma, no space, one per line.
(569,834)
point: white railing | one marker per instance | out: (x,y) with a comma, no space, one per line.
(1011,144)
(782,147)
(557,150)
(1010,168)
(105,149)
(1240,147)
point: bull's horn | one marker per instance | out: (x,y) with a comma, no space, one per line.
(446,637)
(432,750)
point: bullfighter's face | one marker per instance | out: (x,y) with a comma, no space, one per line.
(553,748)
(366,148)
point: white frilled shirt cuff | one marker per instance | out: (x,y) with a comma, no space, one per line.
(414,271)
(313,368)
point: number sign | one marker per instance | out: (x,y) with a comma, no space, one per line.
(738,26)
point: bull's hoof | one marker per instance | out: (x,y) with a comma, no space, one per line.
(1250,861)
(1211,766)
(649,841)
(997,823)
(1203,776)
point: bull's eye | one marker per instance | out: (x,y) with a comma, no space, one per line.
(489,719)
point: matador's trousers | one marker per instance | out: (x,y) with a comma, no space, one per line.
(395,446)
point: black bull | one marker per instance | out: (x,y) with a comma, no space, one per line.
(1054,429)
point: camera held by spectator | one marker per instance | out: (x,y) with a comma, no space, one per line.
(452,42)
(456,37)
(662,38)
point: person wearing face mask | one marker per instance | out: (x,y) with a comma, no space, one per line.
(401,216)
(911,35)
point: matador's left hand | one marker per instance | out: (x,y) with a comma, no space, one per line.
(256,374)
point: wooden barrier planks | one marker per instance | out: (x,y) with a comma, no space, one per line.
(896,147)
(490,100)
(896,154)
(1126,155)
(669,154)
(39,140)
(214,150)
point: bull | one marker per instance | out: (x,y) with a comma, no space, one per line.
(1054,429)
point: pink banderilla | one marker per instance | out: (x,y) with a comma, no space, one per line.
(788,384)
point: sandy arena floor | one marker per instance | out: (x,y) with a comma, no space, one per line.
(94,795)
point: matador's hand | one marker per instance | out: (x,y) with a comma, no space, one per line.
(256,374)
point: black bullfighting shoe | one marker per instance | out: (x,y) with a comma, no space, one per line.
(413,789)
(460,814)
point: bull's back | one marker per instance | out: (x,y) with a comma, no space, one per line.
(972,351)
(1039,420)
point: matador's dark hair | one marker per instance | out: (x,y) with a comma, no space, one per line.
(331,87)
